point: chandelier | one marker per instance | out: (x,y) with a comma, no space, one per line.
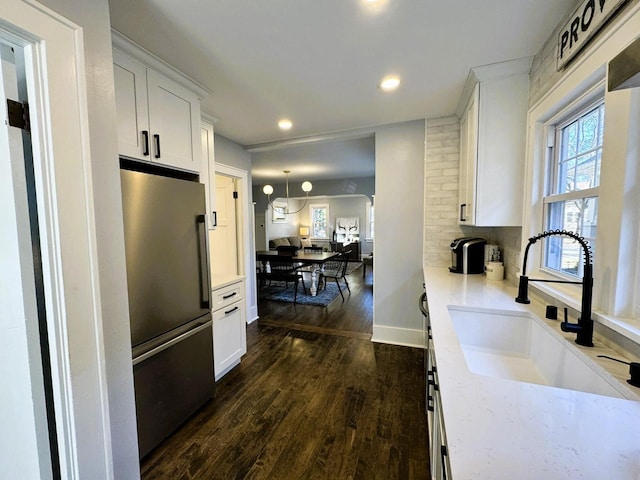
(268,190)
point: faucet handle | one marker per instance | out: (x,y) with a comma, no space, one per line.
(552,312)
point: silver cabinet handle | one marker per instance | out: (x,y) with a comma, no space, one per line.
(205,282)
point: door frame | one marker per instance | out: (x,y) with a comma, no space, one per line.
(56,85)
(248,260)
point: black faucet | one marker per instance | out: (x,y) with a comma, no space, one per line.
(584,327)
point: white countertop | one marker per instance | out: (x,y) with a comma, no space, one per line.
(502,429)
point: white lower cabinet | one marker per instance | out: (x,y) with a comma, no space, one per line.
(229,327)
(438,450)
(438,454)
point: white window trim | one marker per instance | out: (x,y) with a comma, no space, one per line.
(573,195)
(368,237)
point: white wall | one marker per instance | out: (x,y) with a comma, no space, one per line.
(230,153)
(400,151)
(93,16)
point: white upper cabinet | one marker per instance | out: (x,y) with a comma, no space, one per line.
(492,144)
(158,116)
(468,157)
(132,107)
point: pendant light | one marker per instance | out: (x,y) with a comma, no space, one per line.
(306,187)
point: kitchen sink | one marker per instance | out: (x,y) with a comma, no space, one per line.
(520,347)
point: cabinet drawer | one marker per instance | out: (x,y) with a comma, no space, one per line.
(225,296)
(229,337)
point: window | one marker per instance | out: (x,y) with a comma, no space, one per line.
(319,215)
(573,178)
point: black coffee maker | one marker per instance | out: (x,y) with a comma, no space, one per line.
(467,255)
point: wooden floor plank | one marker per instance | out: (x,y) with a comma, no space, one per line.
(313,398)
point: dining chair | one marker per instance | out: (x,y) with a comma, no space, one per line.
(282,269)
(336,269)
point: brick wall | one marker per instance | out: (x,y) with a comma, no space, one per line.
(442,161)
(509,240)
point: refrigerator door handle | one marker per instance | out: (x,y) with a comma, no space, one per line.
(171,342)
(205,274)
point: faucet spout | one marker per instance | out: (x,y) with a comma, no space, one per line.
(584,327)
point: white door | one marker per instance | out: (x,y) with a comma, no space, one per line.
(25,453)
(224,239)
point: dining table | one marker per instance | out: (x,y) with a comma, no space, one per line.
(314,259)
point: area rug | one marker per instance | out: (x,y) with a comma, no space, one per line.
(278,293)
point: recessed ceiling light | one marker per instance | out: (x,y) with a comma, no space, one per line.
(285,124)
(389,83)
(374,7)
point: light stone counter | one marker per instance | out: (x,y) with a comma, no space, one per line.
(502,429)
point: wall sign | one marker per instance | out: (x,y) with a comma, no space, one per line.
(586,20)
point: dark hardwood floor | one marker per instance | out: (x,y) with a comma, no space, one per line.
(313,398)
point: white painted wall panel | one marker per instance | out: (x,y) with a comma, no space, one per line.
(397,260)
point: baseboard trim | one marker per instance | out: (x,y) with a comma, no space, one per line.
(253,315)
(405,337)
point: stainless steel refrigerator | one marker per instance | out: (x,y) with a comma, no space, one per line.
(169,301)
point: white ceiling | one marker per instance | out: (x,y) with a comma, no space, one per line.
(318,62)
(316,161)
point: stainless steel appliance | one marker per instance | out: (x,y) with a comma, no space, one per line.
(169,301)
(467,255)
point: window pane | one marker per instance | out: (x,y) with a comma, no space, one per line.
(586,171)
(567,177)
(588,131)
(601,125)
(372,220)
(577,216)
(570,140)
(580,153)
(319,222)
